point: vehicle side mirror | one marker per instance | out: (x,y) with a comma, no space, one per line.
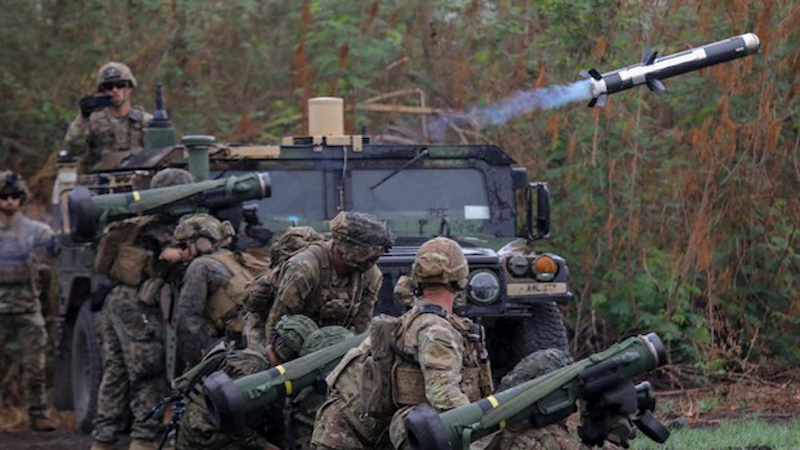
(538,193)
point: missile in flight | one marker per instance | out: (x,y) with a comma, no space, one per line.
(652,70)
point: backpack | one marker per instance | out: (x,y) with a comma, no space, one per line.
(376,370)
(117,255)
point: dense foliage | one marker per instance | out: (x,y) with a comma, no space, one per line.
(677,214)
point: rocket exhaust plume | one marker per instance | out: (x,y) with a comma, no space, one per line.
(516,105)
(597,87)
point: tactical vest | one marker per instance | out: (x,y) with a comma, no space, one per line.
(224,308)
(408,382)
(15,263)
(339,305)
(110,134)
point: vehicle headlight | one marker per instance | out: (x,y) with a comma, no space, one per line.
(544,268)
(518,265)
(483,287)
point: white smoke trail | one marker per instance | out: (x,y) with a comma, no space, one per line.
(516,105)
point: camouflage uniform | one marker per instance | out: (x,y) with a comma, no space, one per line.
(20,309)
(310,285)
(132,327)
(209,305)
(441,361)
(290,430)
(101,133)
(523,436)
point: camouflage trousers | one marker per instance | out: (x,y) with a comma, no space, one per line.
(524,437)
(134,377)
(29,330)
(334,430)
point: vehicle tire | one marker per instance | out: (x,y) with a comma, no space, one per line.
(512,338)
(542,330)
(87,368)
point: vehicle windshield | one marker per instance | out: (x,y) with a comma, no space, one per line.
(414,202)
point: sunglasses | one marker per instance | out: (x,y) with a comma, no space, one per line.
(110,85)
(14,195)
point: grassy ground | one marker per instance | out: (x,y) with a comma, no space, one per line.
(752,434)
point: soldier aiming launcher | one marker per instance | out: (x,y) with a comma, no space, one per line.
(549,399)
(88,213)
(232,401)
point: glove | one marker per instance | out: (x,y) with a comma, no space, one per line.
(620,430)
(92,103)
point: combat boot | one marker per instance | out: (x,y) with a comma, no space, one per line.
(42,424)
(140,444)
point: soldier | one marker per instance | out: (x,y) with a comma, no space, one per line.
(210,302)
(441,360)
(134,377)
(20,309)
(107,121)
(335,282)
(198,431)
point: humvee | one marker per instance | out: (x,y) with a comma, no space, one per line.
(473,194)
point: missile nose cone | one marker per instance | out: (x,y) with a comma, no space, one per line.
(751,42)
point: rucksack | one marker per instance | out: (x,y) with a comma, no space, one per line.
(117,255)
(376,370)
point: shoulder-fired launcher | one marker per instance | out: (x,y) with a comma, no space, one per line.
(544,400)
(88,214)
(232,401)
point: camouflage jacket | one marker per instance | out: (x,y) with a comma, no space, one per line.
(101,134)
(439,348)
(196,331)
(309,285)
(19,237)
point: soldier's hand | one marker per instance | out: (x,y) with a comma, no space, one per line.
(92,103)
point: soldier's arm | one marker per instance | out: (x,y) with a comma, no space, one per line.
(369,296)
(76,141)
(298,279)
(45,238)
(440,358)
(193,326)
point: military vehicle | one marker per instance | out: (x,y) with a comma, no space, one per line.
(471,193)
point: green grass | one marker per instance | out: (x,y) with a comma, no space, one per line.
(748,435)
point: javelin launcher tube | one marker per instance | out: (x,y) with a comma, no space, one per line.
(89,213)
(231,401)
(544,400)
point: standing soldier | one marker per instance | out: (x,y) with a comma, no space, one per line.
(20,309)
(439,359)
(210,302)
(335,282)
(107,121)
(134,377)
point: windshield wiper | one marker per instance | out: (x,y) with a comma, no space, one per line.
(419,156)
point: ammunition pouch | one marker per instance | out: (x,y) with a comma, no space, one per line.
(150,292)
(409,386)
(130,264)
(335,311)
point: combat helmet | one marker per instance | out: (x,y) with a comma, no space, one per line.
(14,184)
(535,365)
(171,177)
(325,337)
(440,261)
(192,227)
(290,335)
(115,71)
(361,238)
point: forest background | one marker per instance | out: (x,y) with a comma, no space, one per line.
(676,214)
